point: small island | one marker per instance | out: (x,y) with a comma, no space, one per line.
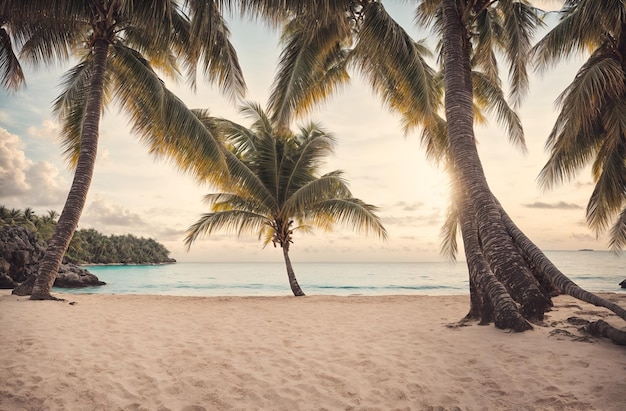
(23,240)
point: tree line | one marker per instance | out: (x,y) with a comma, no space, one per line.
(88,246)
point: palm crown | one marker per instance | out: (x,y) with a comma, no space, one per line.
(590,127)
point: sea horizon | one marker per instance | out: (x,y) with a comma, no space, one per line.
(599,271)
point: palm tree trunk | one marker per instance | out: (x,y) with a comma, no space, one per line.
(293,283)
(491,299)
(546,268)
(491,250)
(68,221)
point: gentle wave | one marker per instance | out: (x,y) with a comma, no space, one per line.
(594,271)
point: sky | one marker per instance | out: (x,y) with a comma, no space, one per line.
(133,193)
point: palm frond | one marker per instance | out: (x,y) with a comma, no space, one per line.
(330,185)
(315,145)
(617,236)
(246,181)
(162,121)
(490,96)
(235,201)
(434,139)
(590,111)
(312,65)
(449,232)
(70,107)
(583,26)
(387,56)
(484,57)
(209,45)
(352,213)
(11,74)
(44,46)
(519,24)
(234,221)
(609,170)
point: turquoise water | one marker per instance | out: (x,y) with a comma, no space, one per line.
(594,271)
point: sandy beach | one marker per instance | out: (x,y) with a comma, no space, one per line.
(108,352)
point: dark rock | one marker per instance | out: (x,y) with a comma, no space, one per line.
(71,276)
(623,284)
(20,253)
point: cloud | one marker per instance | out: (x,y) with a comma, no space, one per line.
(106,216)
(584,237)
(433,219)
(404,206)
(48,130)
(171,234)
(561,205)
(24,182)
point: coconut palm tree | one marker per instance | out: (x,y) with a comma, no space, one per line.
(511,280)
(275,190)
(590,128)
(120,43)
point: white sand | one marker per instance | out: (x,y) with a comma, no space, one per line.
(284,353)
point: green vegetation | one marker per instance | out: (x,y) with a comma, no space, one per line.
(119,45)
(274,183)
(88,246)
(590,128)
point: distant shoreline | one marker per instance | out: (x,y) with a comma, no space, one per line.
(124,264)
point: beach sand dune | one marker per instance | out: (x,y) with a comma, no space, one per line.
(108,352)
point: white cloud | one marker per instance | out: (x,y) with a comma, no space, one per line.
(25,183)
(48,130)
(108,217)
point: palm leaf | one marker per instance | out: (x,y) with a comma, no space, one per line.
(236,221)
(618,232)
(209,45)
(311,66)
(351,212)
(391,61)
(330,185)
(519,23)
(490,96)
(11,74)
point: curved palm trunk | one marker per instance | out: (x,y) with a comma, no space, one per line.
(506,269)
(545,268)
(491,250)
(68,221)
(490,300)
(293,283)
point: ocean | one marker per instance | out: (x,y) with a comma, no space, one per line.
(592,270)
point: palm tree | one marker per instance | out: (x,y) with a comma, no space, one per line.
(275,189)
(590,127)
(511,280)
(4,214)
(120,43)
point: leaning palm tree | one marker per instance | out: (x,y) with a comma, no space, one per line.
(275,190)
(120,42)
(590,128)
(511,280)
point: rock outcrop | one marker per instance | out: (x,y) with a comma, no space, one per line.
(20,253)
